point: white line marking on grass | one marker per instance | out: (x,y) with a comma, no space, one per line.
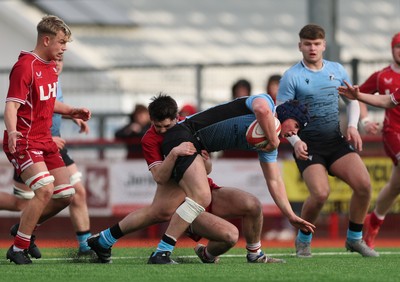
(223,256)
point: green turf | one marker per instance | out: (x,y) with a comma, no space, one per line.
(129,264)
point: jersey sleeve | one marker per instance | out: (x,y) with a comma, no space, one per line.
(267,97)
(371,84)
(344,75)
(151,149)
(20,81)
(396,97)
(286,89)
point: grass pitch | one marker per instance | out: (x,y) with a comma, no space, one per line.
(130,264)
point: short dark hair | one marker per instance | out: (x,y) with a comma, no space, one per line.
(274,78)
(312,32)
(241,83)
(162,107)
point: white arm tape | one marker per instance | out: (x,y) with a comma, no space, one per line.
(63,191)
(293,139)
(75,178)
(23,194)
(189,210)
(39,180)
(353,113)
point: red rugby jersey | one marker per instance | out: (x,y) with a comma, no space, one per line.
(385,82)
(151,146)
(33,84)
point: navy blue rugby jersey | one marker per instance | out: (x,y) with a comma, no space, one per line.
(224,126)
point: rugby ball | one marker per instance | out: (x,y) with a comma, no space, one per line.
(255,135)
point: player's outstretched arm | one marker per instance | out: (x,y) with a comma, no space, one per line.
(353,92)
(64,109)
(277,190)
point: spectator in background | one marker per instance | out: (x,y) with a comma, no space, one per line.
(134,131)
(241,88)
(273,85)
(187,110)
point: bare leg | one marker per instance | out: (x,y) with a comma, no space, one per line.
(352,170)
(389,193)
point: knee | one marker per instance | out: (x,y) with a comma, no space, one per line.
(204,200)
(162,215)
(252,206)
(321,197)
(363,188)
(231,236)
(44,193)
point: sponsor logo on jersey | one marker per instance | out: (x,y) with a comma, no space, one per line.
(48,92)
(39,74)
(388,80)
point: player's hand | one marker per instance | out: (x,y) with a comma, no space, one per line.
(301,150)
(205,155)
(371,127)
(59,142)
(12,140)
(302,224)
(353,136)
(184,149)
(271,146)
(83,126)
(351,92)
(81,113)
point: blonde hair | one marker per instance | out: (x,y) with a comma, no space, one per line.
(51,25)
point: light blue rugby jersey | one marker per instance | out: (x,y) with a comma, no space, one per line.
(224,126)
(56,125)
(318,90)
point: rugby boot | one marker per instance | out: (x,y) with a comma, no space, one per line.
(33,249)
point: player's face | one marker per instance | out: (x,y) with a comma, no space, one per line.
(162,126)
(396,54)
(312,50)
(56,46)
(289,128)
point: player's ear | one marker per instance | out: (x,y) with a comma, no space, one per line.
(46,40)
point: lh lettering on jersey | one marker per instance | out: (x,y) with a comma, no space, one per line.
(46,94)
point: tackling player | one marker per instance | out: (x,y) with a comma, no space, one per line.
(226,202)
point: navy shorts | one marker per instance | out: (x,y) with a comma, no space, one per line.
(325,153)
